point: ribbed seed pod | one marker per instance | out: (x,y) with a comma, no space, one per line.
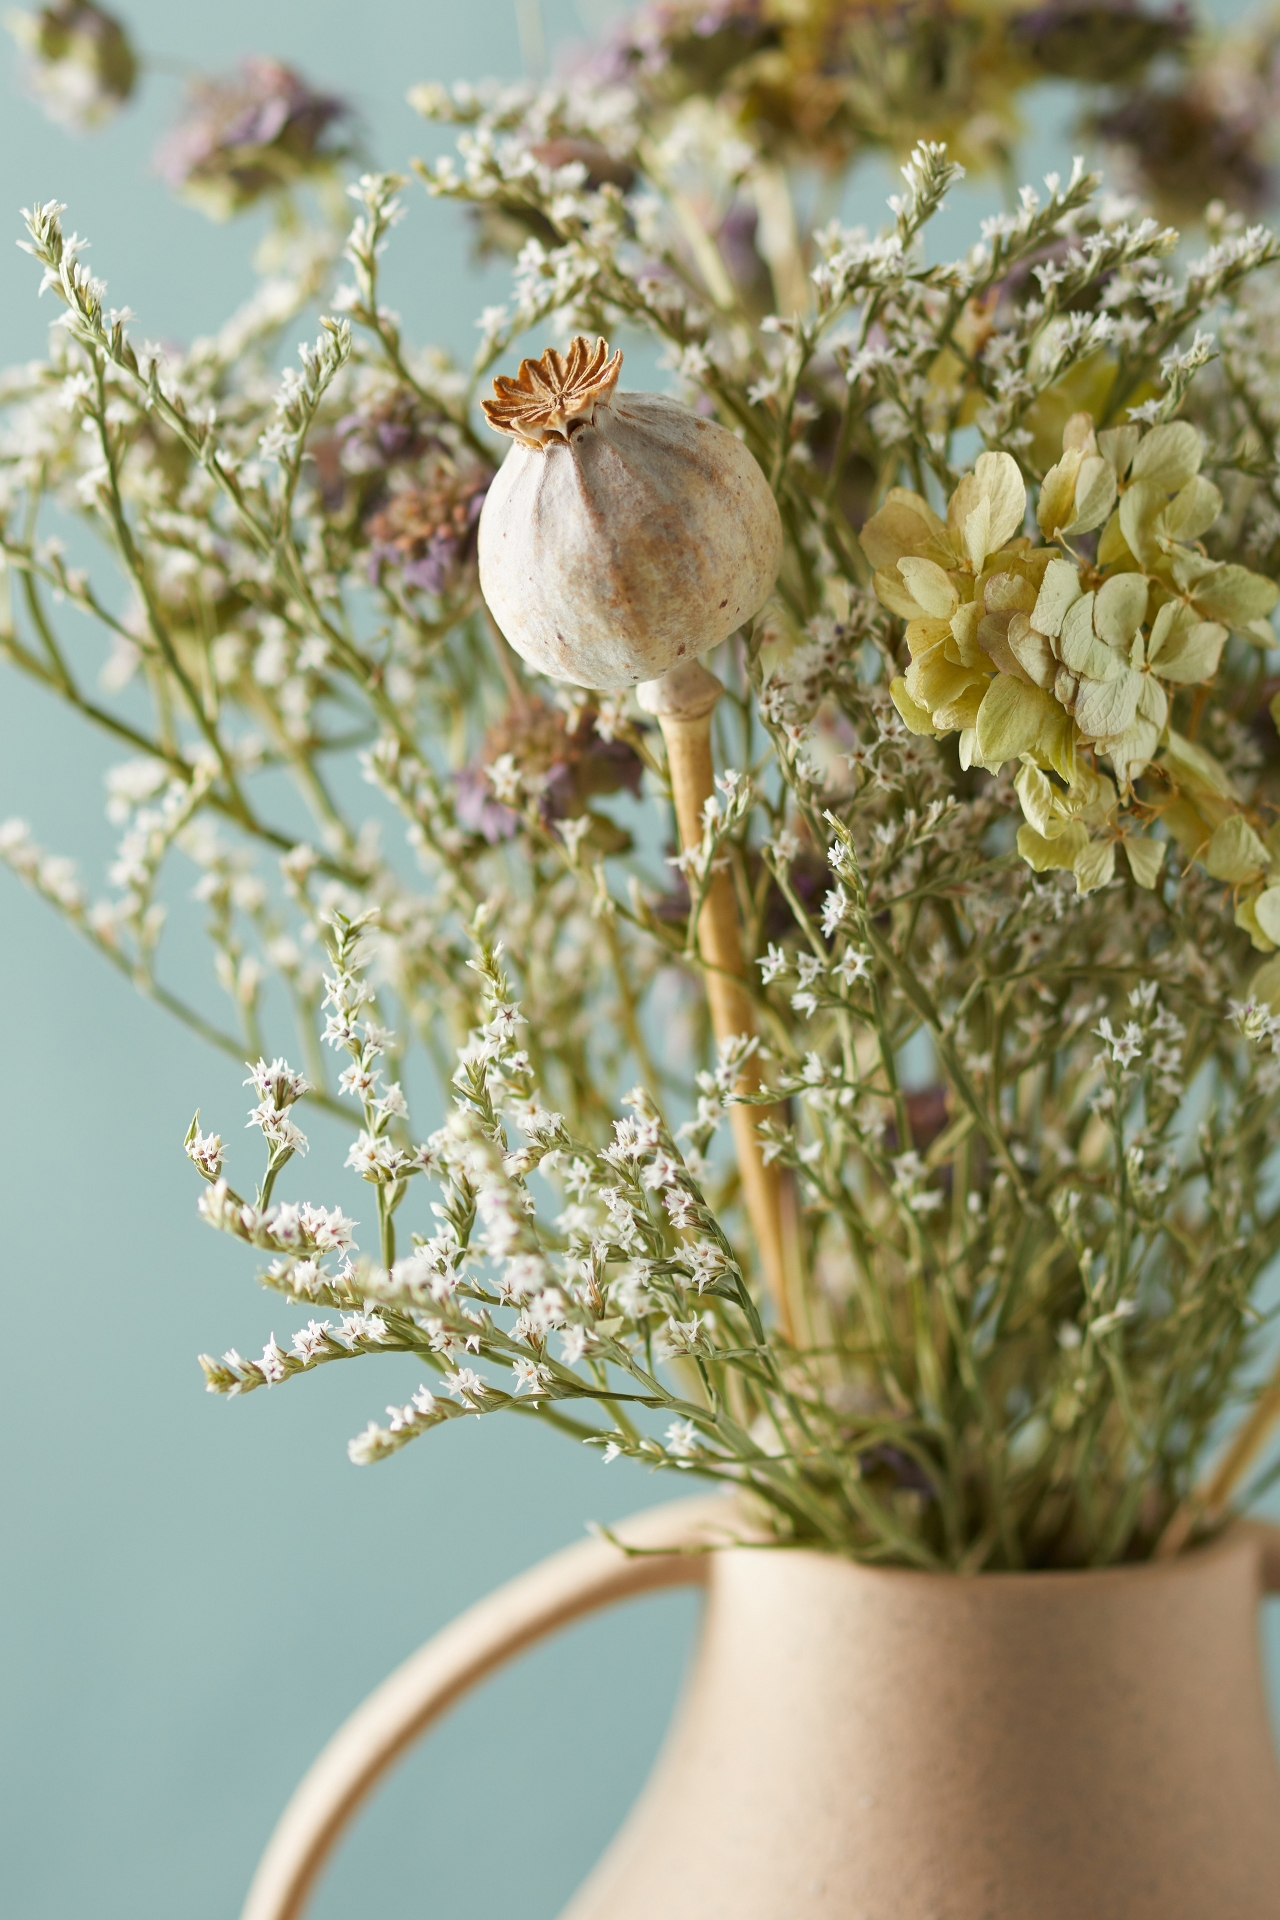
(624,533)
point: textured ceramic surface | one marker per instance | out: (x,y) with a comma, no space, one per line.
(863,1744)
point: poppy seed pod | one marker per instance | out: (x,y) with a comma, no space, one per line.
(623,534)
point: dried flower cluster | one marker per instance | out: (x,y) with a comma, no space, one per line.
(999,798)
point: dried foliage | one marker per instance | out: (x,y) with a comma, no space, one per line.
(999,795)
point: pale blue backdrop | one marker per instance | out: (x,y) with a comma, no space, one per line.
(193,1595)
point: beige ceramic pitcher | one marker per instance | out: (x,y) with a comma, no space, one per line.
(864,1743)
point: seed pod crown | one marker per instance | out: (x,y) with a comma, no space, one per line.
(550,396)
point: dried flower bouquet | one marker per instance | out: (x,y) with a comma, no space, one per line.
(997,825)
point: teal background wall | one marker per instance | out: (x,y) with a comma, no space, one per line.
(193,1595)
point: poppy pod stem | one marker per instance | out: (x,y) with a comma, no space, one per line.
(683,702)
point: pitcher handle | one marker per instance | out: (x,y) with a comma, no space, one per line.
(578,1580)
(1268,1554)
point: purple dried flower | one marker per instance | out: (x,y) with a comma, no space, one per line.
(256,133)
(477,809)
(388,433)
(426,530)
(562,765)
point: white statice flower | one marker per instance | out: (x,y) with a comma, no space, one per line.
(502,1228)
(305,1276)
(575,1220)
(133,782)
(809,968)
(774,964)
(784,847)
(578,1179)
(392,1104)
(1256,1022)
(662,1171)
(312,1339)
(284,954)
(1124,1047)
(340,1030)
(277,1084)
(206,1150)
(466,1385)
(272,1364)
(624,1220)
(705,1262)
(573,1345)
(505,778)
(529,1376)
(573,832)
(356,1327)
(358,1080)
(834,908)
(682,1208)
(222,1210)
(524,1275)
(854,964)
(328,1228)
(420,1408)
(368,1446)
(683,1336)
(17,846)
(628,1290)
(682,1439)
(632,1139)
(610,1452)
(432,1267)
(440,1338)
(536,1121)
(909,1175)
(374,1157)
(281,1133)
(545,1312)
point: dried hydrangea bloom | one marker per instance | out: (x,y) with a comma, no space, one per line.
(623,533)
(81,66)
(241,138)
(1035,656)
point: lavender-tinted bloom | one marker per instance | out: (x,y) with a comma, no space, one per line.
(250,135)
(385,435)
(478,810)
(82,68)
(426,531)
(563,766)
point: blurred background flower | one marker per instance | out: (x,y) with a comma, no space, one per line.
(80,65)
(1206,133)
(253,133)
